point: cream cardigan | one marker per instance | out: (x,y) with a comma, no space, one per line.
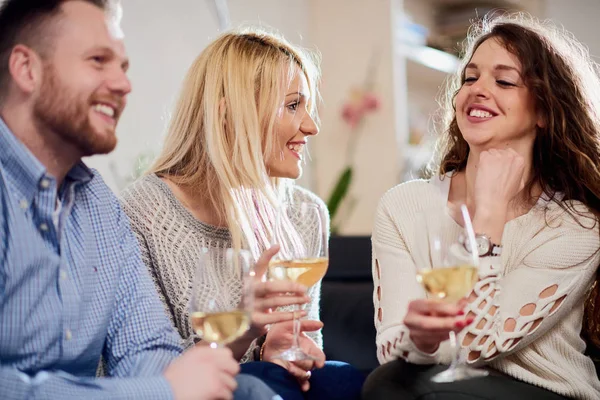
(545,248)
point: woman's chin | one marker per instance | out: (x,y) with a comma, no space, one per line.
(292,173)
(477,141)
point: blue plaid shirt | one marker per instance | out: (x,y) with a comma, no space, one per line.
(73,287)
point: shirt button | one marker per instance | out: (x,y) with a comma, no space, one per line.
(24,204)
(43,227)
(63,274)
(45,183)
(68,334)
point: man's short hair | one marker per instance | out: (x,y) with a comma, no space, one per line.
(27,22)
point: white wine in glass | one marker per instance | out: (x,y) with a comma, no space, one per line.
(214,319)
(307,272)
(449,274)
(220,327)
(448,283)
(303,237)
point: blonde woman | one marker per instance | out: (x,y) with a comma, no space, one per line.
(236,141)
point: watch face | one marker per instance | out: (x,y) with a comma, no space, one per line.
(483,245)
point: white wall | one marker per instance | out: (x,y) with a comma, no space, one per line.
(580,17)
(347,32)
(162,39)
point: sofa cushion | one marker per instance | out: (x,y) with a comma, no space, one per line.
(347,303)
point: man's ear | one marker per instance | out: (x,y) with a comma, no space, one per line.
(25,68)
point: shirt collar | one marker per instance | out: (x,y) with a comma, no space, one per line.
(80,173)
(26,171)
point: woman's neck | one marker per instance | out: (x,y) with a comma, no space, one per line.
(462,187)
(199,205)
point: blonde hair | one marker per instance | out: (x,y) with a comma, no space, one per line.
(222,130)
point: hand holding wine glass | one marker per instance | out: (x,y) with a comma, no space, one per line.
(271,295)
(430,322)
(448,276)
(301,232)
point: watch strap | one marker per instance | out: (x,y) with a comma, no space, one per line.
(496,250)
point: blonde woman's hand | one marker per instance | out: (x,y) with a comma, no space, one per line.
(280,338)
(270,295)
(431,321)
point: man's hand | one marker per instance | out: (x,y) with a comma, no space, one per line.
(203,373)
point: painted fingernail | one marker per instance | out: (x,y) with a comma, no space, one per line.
(460,312)
(460,324)
(469,321)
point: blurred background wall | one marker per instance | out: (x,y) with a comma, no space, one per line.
(395,53)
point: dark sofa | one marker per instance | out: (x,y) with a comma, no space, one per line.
(347,303)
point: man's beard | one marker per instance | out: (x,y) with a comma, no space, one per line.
(67,115)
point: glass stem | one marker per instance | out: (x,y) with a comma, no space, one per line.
(296,339)
(455,351)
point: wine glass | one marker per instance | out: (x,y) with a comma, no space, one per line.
(214,318)
(448,272)
(301,232)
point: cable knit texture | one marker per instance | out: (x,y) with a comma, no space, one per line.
(171,239)
(540,281)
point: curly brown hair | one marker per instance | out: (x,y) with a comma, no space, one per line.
(565,85)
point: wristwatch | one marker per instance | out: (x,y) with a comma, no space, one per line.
(485,247)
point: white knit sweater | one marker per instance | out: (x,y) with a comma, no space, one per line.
(171,239)
(545,248)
